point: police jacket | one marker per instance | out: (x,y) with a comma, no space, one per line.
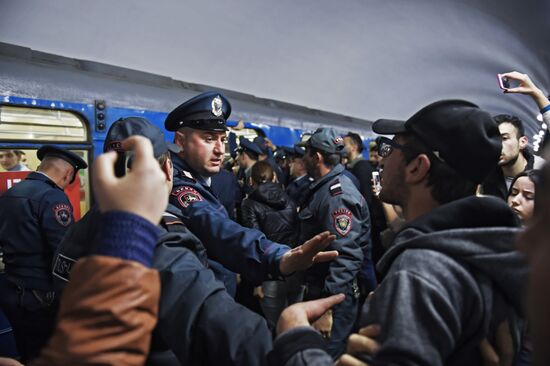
(226,187)
(334,204)
(34,216)
(80,241)
(243,250)
(268,209)
(195,310)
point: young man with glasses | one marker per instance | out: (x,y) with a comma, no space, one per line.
(452,278)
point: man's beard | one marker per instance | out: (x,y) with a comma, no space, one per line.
(511,161)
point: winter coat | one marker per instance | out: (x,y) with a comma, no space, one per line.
(269,209)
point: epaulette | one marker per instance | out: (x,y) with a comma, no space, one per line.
(186,175)
(335,188)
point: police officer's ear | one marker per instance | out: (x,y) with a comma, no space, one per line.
(180,137)
(168,169)
(68,177)
(318,157)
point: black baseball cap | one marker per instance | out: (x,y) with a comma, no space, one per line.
(207,111)
(123,128)
(457,131)
(325,139)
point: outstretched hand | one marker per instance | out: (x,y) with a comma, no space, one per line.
(143,191)
(303,256)
(304,313)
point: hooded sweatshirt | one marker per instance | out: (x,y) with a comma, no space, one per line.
(451,278)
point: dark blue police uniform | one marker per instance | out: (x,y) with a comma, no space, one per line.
(227,189)
(297,188)
(334,204)
(34,216)
(240,249)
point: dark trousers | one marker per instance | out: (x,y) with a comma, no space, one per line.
(344,316)
(343,320)
(31,314)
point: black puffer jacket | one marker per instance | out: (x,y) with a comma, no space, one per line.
(269,209)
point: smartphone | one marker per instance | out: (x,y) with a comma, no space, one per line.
(120,165)
(503,82)
(376,184)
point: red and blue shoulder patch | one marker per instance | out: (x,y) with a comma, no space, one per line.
(63,214)
(187,195)
(342,219)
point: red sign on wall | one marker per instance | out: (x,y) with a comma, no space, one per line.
(9,179)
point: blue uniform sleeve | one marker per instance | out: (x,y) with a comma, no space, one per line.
(198,319)
(344,218)
(242,250)
(55,217)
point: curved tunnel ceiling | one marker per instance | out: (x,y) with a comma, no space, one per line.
(364,58)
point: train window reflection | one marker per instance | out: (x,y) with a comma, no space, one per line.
(33,124)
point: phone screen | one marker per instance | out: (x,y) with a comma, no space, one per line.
(503,81)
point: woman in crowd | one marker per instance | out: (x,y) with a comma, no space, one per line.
(269,209)
(521,196)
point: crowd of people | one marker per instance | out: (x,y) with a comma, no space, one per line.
(289,255)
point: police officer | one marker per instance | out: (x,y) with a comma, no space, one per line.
(333,203)
(34,216)
(200,129)
(248,154)
(300,182)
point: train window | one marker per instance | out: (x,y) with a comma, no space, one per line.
(16,164)
(33,124)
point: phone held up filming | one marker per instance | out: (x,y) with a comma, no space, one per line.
(503,82)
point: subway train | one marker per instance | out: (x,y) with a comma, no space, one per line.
(50,99)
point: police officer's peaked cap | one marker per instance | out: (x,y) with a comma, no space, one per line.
(325,139)
(206,111)
(70,157)
(458,132)
(262,144)
(247,145)
(299,151)
(130,126)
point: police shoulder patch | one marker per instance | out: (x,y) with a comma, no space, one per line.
(187,195)
(335,188)
(63,214)
(62,267)
(342,220)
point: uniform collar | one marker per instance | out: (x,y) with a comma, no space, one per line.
(41,176)
(181,165)
(337,170)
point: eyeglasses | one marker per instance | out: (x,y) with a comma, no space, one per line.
(386,146)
